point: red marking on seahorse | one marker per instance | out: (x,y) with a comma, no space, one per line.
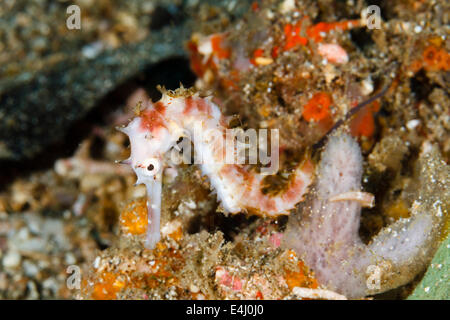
(160,107)
(200,105)
(152,120)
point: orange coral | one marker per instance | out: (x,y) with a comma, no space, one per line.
(275,51)
(107,287)
(300,278)
(230,83)
(316,32)
(433,58)
(292,35)
(217,42)
(255,6)
(318,107)
(416,65)
(154,273)
(196,59)
(198,64)
(256,54)
(436,59)
(169,260)
(133,219)
(363,125)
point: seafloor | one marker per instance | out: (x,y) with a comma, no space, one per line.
(72,221)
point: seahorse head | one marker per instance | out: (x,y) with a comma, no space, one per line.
(150,139)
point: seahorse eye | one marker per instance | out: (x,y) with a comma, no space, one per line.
(151,165)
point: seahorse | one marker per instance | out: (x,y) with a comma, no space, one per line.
(182,113)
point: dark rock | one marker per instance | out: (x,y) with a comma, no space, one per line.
(36,112)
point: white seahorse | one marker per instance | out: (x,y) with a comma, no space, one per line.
(158,128)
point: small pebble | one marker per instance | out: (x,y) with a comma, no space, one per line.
(30,269)
(412,124)
(97,262)
(287,6)
(194,288)
(11,260)
(366,86)
(92,50)
(70,259)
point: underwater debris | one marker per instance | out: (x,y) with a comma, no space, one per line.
(325,233)
(81,164)
(333,52)
(317,294)
(199,266)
